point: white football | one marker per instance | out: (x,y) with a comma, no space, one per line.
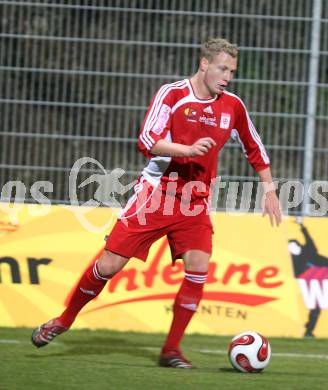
(249,352)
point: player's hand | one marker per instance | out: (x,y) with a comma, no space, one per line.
(271,206)
(201,147)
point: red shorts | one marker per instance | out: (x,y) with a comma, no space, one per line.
(151,214)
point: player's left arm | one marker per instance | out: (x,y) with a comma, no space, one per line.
(270,202)
(256,155)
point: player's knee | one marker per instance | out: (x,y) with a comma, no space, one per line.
(196,261)
(196,265)
(110,264)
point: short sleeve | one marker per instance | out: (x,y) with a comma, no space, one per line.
(157,121)
(249,139)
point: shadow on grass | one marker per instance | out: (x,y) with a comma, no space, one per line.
(98,346)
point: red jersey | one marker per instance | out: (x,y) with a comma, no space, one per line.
(177,115)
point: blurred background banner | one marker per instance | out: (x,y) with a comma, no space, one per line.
(251,282)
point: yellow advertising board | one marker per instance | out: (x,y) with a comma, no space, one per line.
(251,283)
(308,248)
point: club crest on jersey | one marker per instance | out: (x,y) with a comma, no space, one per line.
(190,113)
(225,121)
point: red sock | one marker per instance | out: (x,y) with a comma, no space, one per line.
(185,306)
(89,286)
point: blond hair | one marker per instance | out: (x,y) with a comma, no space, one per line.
(214,46)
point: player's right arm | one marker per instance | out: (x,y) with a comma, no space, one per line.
(153,140)
(172,149)
(157,122)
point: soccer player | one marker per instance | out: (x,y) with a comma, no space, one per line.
(186,126)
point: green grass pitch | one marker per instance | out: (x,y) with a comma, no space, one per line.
(84,359)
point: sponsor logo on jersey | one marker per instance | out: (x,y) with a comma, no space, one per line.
(163,117)
(209,121)
(208,110)
(190,113)
(225,121)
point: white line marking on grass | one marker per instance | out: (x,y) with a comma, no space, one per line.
(206,351)
(12,341)
(283,354)
(223,352)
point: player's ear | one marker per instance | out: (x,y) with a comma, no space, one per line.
(203,64)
